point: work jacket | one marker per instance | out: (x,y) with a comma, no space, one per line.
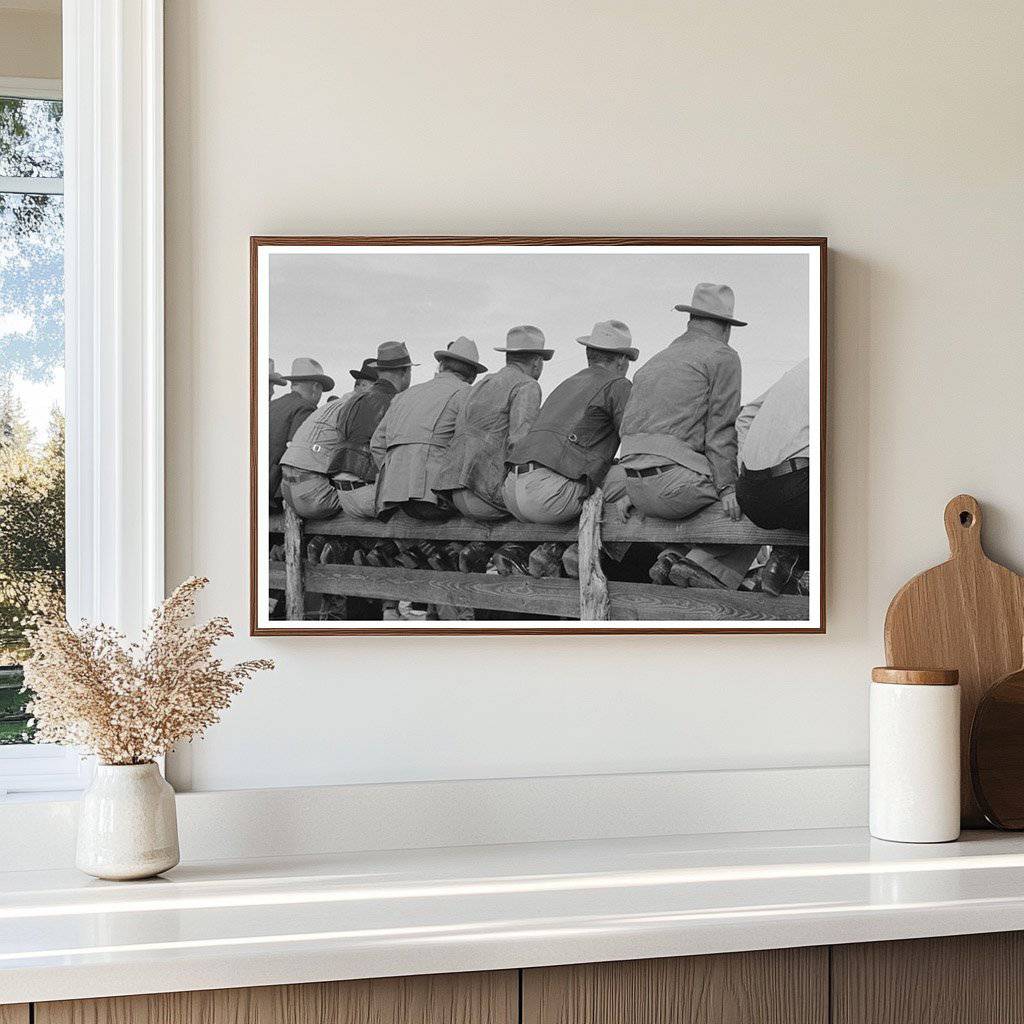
(410,442)
(287,414)
(337,438)
(576,432)
(498,412)
(684,405)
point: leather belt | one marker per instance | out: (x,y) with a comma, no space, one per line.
(782,469)
(526,467)
(351,485)
(651,471)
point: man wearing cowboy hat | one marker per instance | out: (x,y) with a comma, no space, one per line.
(328,467)
(679,433)
(498,412)
(290,411)
(411,440)
(572,442)
(276,380)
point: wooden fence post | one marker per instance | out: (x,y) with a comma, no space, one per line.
(294,584)
(593,583)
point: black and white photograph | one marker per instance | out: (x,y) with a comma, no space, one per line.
(537,435)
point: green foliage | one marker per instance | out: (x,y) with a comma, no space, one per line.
(31,524)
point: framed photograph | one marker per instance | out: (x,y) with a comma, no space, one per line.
(537,435)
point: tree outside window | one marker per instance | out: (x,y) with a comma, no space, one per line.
(31,385)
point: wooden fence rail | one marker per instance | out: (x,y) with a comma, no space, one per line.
(590,598)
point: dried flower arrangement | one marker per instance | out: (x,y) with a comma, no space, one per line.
(129,703)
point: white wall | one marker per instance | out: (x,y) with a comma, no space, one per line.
(895,129)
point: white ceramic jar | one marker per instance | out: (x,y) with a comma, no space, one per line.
(127,824)
(915,755)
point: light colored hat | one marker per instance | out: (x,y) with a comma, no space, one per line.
(611,336)
(304,368)
(526,339)
(275,377)
(463,349)
(393,355)
(715,301)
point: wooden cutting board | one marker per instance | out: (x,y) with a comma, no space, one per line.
(967,614)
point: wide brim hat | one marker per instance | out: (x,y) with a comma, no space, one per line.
(368,371)
(275,377)
(526,338)
(464,350)
(393,355)
(304,369)
(715,301)
(611,336)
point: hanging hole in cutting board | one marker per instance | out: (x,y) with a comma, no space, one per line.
(966,519)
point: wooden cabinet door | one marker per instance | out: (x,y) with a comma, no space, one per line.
(778,986)
(962,979)
(479,998)
(14,1013)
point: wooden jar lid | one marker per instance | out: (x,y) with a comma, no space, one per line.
(916,676)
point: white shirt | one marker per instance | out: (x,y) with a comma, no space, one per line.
(776,426)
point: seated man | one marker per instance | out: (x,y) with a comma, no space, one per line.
(410,442)
(572,442)
(679,433)
(290,411)
(773,489)
(328,467)
(497,413)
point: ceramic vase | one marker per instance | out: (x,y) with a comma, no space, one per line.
(127,826)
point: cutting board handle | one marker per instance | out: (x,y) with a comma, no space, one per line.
(963,527)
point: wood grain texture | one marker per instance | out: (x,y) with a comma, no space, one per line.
(14,1013)
(961,979)
(709,526)
(593,584)
(915,676)
(294,583)
(779,986)
(967,614)
(475,998)
(561,597)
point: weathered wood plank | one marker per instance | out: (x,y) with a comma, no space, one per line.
(592,582)
(628,601)
(294,588)
(709,526)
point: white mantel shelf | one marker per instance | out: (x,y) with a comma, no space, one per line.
(274,921)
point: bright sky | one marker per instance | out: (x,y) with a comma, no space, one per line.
(337,307)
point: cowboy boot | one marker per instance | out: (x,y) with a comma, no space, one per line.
(571,561)
(474,557)
(314,547)
(667,557)
(382,554)
(779,569)
(511,559)
(546,560)
(683,574)
(277,553)
(411,557)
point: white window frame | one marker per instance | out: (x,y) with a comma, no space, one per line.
(114,326)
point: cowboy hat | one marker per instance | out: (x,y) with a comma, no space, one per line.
(309,369)
(715,301)
(526,339)
(463,349)
(275,377)
(611,336)
(393,355)
(368,371)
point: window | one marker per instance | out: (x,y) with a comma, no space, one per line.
(32,514)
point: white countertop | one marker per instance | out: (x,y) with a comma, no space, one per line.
(282,920)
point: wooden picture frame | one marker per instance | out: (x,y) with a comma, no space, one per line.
(297,579)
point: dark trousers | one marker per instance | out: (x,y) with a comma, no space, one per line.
(776,502)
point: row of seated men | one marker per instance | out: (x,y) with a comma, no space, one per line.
(491,448)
